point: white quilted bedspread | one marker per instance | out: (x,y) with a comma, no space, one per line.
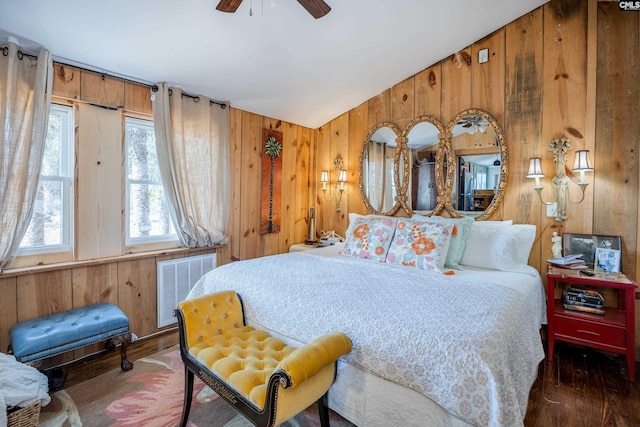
(472,347)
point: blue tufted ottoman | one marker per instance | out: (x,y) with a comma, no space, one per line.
(57,333)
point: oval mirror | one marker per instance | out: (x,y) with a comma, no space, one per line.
(378,163)
(421,178)
(480,162)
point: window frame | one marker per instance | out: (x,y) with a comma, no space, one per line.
(135,242)
(66,178)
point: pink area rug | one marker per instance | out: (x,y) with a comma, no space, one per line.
(151,394)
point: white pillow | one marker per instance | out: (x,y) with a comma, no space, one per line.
(498,247)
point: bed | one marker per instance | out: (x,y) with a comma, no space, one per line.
(428,348)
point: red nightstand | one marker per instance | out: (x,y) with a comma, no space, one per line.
(614,331)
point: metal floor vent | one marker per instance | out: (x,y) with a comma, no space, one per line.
(176,278)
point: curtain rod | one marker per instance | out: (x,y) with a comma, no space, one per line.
(21,54)
(153,87)
(195,98)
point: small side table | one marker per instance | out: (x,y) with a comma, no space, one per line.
(614,331)
(299,247)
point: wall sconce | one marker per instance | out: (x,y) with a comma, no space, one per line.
(341,182)
(560,182)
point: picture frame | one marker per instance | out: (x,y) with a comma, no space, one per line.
(607,260)
(586,244)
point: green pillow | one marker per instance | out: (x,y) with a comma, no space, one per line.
(458,237)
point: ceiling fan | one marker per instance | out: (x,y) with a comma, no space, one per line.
(317,8)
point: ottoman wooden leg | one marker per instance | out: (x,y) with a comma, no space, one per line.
(323,411)
(123,340)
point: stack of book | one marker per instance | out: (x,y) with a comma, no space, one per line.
(588,301)
(574,262)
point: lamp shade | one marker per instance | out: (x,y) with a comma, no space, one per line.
(535,169)
(343,175)
(582,161)
(324,177)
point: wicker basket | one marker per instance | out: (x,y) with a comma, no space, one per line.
(24,417)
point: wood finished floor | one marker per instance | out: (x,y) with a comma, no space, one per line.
(581,387)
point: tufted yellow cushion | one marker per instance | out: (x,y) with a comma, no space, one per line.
(244,358)
(210,315)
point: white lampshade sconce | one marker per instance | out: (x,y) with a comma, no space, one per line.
(340,185)
(560,182)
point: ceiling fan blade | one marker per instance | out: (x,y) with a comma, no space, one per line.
(228,5)
(317,8)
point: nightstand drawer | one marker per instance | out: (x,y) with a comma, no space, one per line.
(593,332)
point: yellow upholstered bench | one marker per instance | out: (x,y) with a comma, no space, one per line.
(263,378)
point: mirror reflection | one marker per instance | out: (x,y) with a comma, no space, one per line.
(422,144)
(377,179)
(480,163)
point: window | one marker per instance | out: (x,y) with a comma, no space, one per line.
(50,229)
(147,213)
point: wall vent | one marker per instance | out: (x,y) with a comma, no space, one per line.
(176,278)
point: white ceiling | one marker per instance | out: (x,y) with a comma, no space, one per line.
(280,62)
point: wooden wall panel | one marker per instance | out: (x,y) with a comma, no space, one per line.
(379,109)
(137,294)
(137,98)
(300,190)
(618,130)
(66,81)
(40,294)
(456,84)
(564,106)
(289,169)
(428,88)
(340,146)
(488,79)
(325,208)
(101,90)
(522,118)
(232,250)
(250,186)
(358,121)
(99,158)
(403,102)
(8,309)
(95,284)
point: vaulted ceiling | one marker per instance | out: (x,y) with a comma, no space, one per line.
(270,57)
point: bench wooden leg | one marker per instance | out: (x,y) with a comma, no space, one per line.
(323,411)
(123,340)
(188,394)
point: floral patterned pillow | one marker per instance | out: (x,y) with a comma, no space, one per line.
(420,244)
(370,237)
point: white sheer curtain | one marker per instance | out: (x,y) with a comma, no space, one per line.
(380,176)
(376,171)
(192,140)
(25,96)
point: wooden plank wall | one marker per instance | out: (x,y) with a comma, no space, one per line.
(567,69)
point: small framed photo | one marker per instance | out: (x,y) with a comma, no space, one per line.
(587,244)
(607,260)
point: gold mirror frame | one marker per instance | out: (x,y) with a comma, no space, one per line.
(442,153)
(452,167)
(396,163)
